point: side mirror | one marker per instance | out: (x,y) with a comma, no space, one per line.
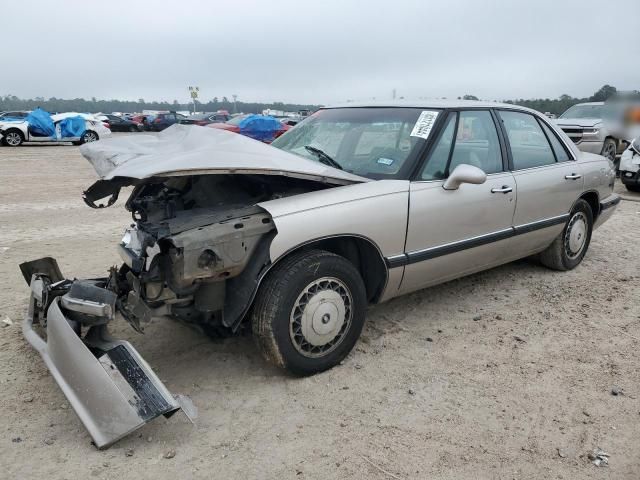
(464,173)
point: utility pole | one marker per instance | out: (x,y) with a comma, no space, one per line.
(193,91)
(235,97)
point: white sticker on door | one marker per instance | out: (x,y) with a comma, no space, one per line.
(425,123)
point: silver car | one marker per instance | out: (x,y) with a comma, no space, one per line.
(352,207)
(584,124)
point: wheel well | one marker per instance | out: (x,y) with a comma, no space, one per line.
(594,202)
(362,253)
(14,129)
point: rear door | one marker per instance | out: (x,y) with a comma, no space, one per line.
(455,232)
(549,180)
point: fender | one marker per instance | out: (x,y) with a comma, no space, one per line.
(377,211)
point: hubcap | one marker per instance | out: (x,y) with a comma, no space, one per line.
(321,316)
(576,235)
(13,139)
(90,137)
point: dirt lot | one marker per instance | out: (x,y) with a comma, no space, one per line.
(505,374)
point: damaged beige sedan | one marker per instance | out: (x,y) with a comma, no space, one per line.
(352,207)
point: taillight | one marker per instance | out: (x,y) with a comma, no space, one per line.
(106,125)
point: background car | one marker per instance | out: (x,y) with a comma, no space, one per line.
(630,167)
(584,124)
(163,120)
(119,124)
(40,126)
(206,118)
(258,127)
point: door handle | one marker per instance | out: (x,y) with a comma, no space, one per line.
(504,189)
(573,176)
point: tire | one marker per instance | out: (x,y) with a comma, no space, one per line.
(569,248)
(609,149)
(89,136)
(133,129)
(305,339)
(633,188)
(13,138)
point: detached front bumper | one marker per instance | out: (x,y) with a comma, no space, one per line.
(109,385)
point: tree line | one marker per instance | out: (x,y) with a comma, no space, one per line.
(11,102)
(93,105)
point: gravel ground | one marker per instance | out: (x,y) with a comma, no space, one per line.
(503,374)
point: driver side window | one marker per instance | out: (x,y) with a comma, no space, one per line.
(475,143)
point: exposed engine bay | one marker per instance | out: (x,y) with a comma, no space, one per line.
(197,247)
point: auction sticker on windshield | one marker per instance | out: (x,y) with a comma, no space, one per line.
(424,124)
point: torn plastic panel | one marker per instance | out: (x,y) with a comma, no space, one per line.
(108,384)
(103,189)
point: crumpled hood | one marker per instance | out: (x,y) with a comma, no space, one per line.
(194,150)
(579,122)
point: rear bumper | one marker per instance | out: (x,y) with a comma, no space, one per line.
(109,385)
(607,207)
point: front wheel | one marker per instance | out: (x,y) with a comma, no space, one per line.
(569,248)
(89,136)
(309,312)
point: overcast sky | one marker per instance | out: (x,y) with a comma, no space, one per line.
(319,51)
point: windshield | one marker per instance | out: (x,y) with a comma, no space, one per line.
(371,142)
(584,111)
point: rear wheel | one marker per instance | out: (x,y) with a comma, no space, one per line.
(13,138)
(569,248)
(309,312)
(133,128)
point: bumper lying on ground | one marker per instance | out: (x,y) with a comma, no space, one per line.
(108,384)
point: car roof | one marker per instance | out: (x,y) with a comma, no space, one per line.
(431,104)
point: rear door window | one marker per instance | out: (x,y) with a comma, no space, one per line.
(529,145)
(558,148)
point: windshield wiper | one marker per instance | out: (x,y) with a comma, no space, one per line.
(323,157)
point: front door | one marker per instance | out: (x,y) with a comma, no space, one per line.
(456,232)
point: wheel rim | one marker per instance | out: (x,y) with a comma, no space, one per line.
(90,137)
(610,151)
(576,235)
(321,316)
(13,139)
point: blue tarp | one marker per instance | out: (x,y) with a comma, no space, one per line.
(40,123)
(72,127)
(260,127)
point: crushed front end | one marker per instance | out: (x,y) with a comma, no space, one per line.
(196,251)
